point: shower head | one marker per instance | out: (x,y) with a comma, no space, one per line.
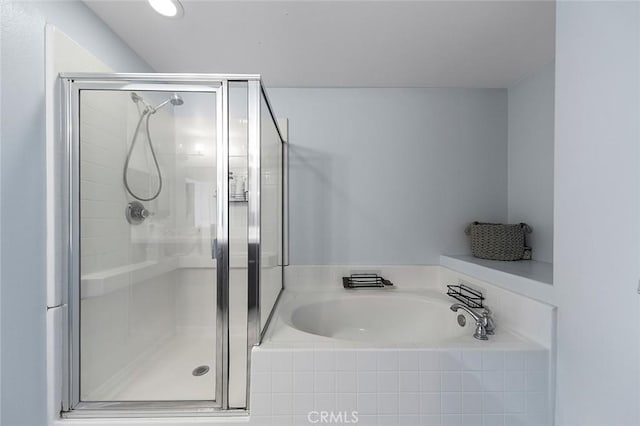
(175,100)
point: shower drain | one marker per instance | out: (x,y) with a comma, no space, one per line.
(201,370)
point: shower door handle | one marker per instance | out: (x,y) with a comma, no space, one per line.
(214,248)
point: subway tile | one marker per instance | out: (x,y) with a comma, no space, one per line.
(303,381)
(472,403)
(429,360)
(283,420)
(346,382)
(325,360)
(408,361)
(451,420)
(514,381)
(451,403)
(367,420)
(281,382)
(493,381)
(430,420)
(408,381)
(514,402)
(472,381)
(471,420)
(408,420)
(303,403)
(367,403)
(261,382)
(325,401)
(472,360)
(347,402)
(430,381)
(257,420)
(493,360)
(451,381)
(261,361)
(493,420)
(516,420)
(303,361)
(281,361)
(324,382)
(346,361)
(281,404)
(367,381)
(430,403)
(387,381)
(493,402)
(388,361)
(388,404)
(260,404)
(451,361)
(367,361)
(514,360)
(409,403)
(387,420)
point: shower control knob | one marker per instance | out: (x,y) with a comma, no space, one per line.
(136,213)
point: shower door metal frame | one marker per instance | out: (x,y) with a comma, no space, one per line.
(72,85)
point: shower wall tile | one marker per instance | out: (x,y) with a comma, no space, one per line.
(433,387)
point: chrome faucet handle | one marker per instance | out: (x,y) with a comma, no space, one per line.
(136,213)
(481,320)
(481,330)
(490,325)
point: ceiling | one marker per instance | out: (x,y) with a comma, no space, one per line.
(485,44)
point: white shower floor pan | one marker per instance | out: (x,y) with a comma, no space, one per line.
(165,374)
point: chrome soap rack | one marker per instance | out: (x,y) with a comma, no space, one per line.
(466,295)
(365,281)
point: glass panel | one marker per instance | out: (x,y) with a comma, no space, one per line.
(147,226)
(238,243)
(271,213)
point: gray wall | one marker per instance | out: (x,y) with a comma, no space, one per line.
(597,187)
(531,128)
(391,176)
(22,178)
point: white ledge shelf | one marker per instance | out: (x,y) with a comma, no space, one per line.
(527,277)
(110,280)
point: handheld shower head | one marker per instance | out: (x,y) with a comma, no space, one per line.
(175,100)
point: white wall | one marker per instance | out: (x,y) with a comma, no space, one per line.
(531,115)
(22,174)
(391,176)
(597,182)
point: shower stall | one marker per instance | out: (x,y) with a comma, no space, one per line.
(174,216)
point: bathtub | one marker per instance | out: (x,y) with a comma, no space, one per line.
(380,318)
(396,357)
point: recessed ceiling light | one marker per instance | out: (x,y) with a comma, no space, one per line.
(168,8)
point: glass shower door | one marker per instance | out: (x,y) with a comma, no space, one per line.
(149,225)
(173,220)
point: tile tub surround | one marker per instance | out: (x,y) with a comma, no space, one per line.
(401,387)
(512,383)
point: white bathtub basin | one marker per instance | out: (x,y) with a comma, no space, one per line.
(375,317)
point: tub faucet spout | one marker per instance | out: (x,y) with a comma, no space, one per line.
(481,321)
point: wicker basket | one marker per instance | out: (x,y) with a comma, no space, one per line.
(497,241)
